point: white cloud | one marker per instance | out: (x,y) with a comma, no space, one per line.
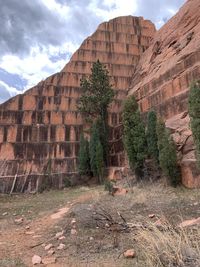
(37,66)
(11,90)
(115,8)
(51,30)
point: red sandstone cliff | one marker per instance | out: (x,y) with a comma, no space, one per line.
(163,76)
(40,130)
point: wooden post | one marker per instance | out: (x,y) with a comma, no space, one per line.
(14,181)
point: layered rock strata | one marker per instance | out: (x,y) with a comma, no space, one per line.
(165,72)
(40,129)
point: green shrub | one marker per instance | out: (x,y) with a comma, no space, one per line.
(108,185)
(151,135)
(167,154)
(83,157)
(134,136)
(194,112)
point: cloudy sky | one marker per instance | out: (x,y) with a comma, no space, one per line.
(37,37)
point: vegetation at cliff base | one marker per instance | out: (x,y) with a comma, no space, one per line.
(134,136)
(83,157)
(167,154)
(97,94)
(151,135)
(194,112)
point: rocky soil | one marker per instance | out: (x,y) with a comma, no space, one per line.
(88,227)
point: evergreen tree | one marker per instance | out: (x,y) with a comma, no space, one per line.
(151,135)
(83,157)
(194,112)
(96,153)
(94,140)
(99,162)
(167,154)
(134,136)
(97,94)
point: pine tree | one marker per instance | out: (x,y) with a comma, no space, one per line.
(93,148)
(134,136)
(96,153)
(167,154)
(194,112)
(83,157)
(97,94)
(151,135)
(99,162)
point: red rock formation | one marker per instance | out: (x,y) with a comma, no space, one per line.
(164,74)
(40,130)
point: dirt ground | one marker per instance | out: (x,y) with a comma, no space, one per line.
(89,238)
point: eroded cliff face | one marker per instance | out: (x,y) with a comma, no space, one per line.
(40,130)
(163,77)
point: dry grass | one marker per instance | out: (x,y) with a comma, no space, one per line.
(169,246)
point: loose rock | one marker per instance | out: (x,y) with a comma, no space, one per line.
(151,216)
(47,247)
(61,246)
(130,253)
(51,252)
(59,234)
(49,260)
(191,222)
(36,260)
(62,237)
(18,221)
(73,232)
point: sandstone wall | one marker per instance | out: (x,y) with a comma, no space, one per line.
(166,70)
(40,130)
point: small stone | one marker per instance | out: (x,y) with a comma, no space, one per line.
(91,238)
(130,253)
(51,252)
(27,227)
(73,232)
(107,225)
(158,223)
(59,234)
(5,213)
(18,221)
(47,247)
(195,203)
(151,216)
(191,222)
(48,260)
(29,233)
(61,246)
(73,221)
(62,237)
(36,259)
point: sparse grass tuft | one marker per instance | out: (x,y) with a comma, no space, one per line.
(169,246)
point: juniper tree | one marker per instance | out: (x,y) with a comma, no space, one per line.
(99,162)
(97,94)
(134,136)
(194,112)
(83,157)
(96,153)
(151,135)
(167,154)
